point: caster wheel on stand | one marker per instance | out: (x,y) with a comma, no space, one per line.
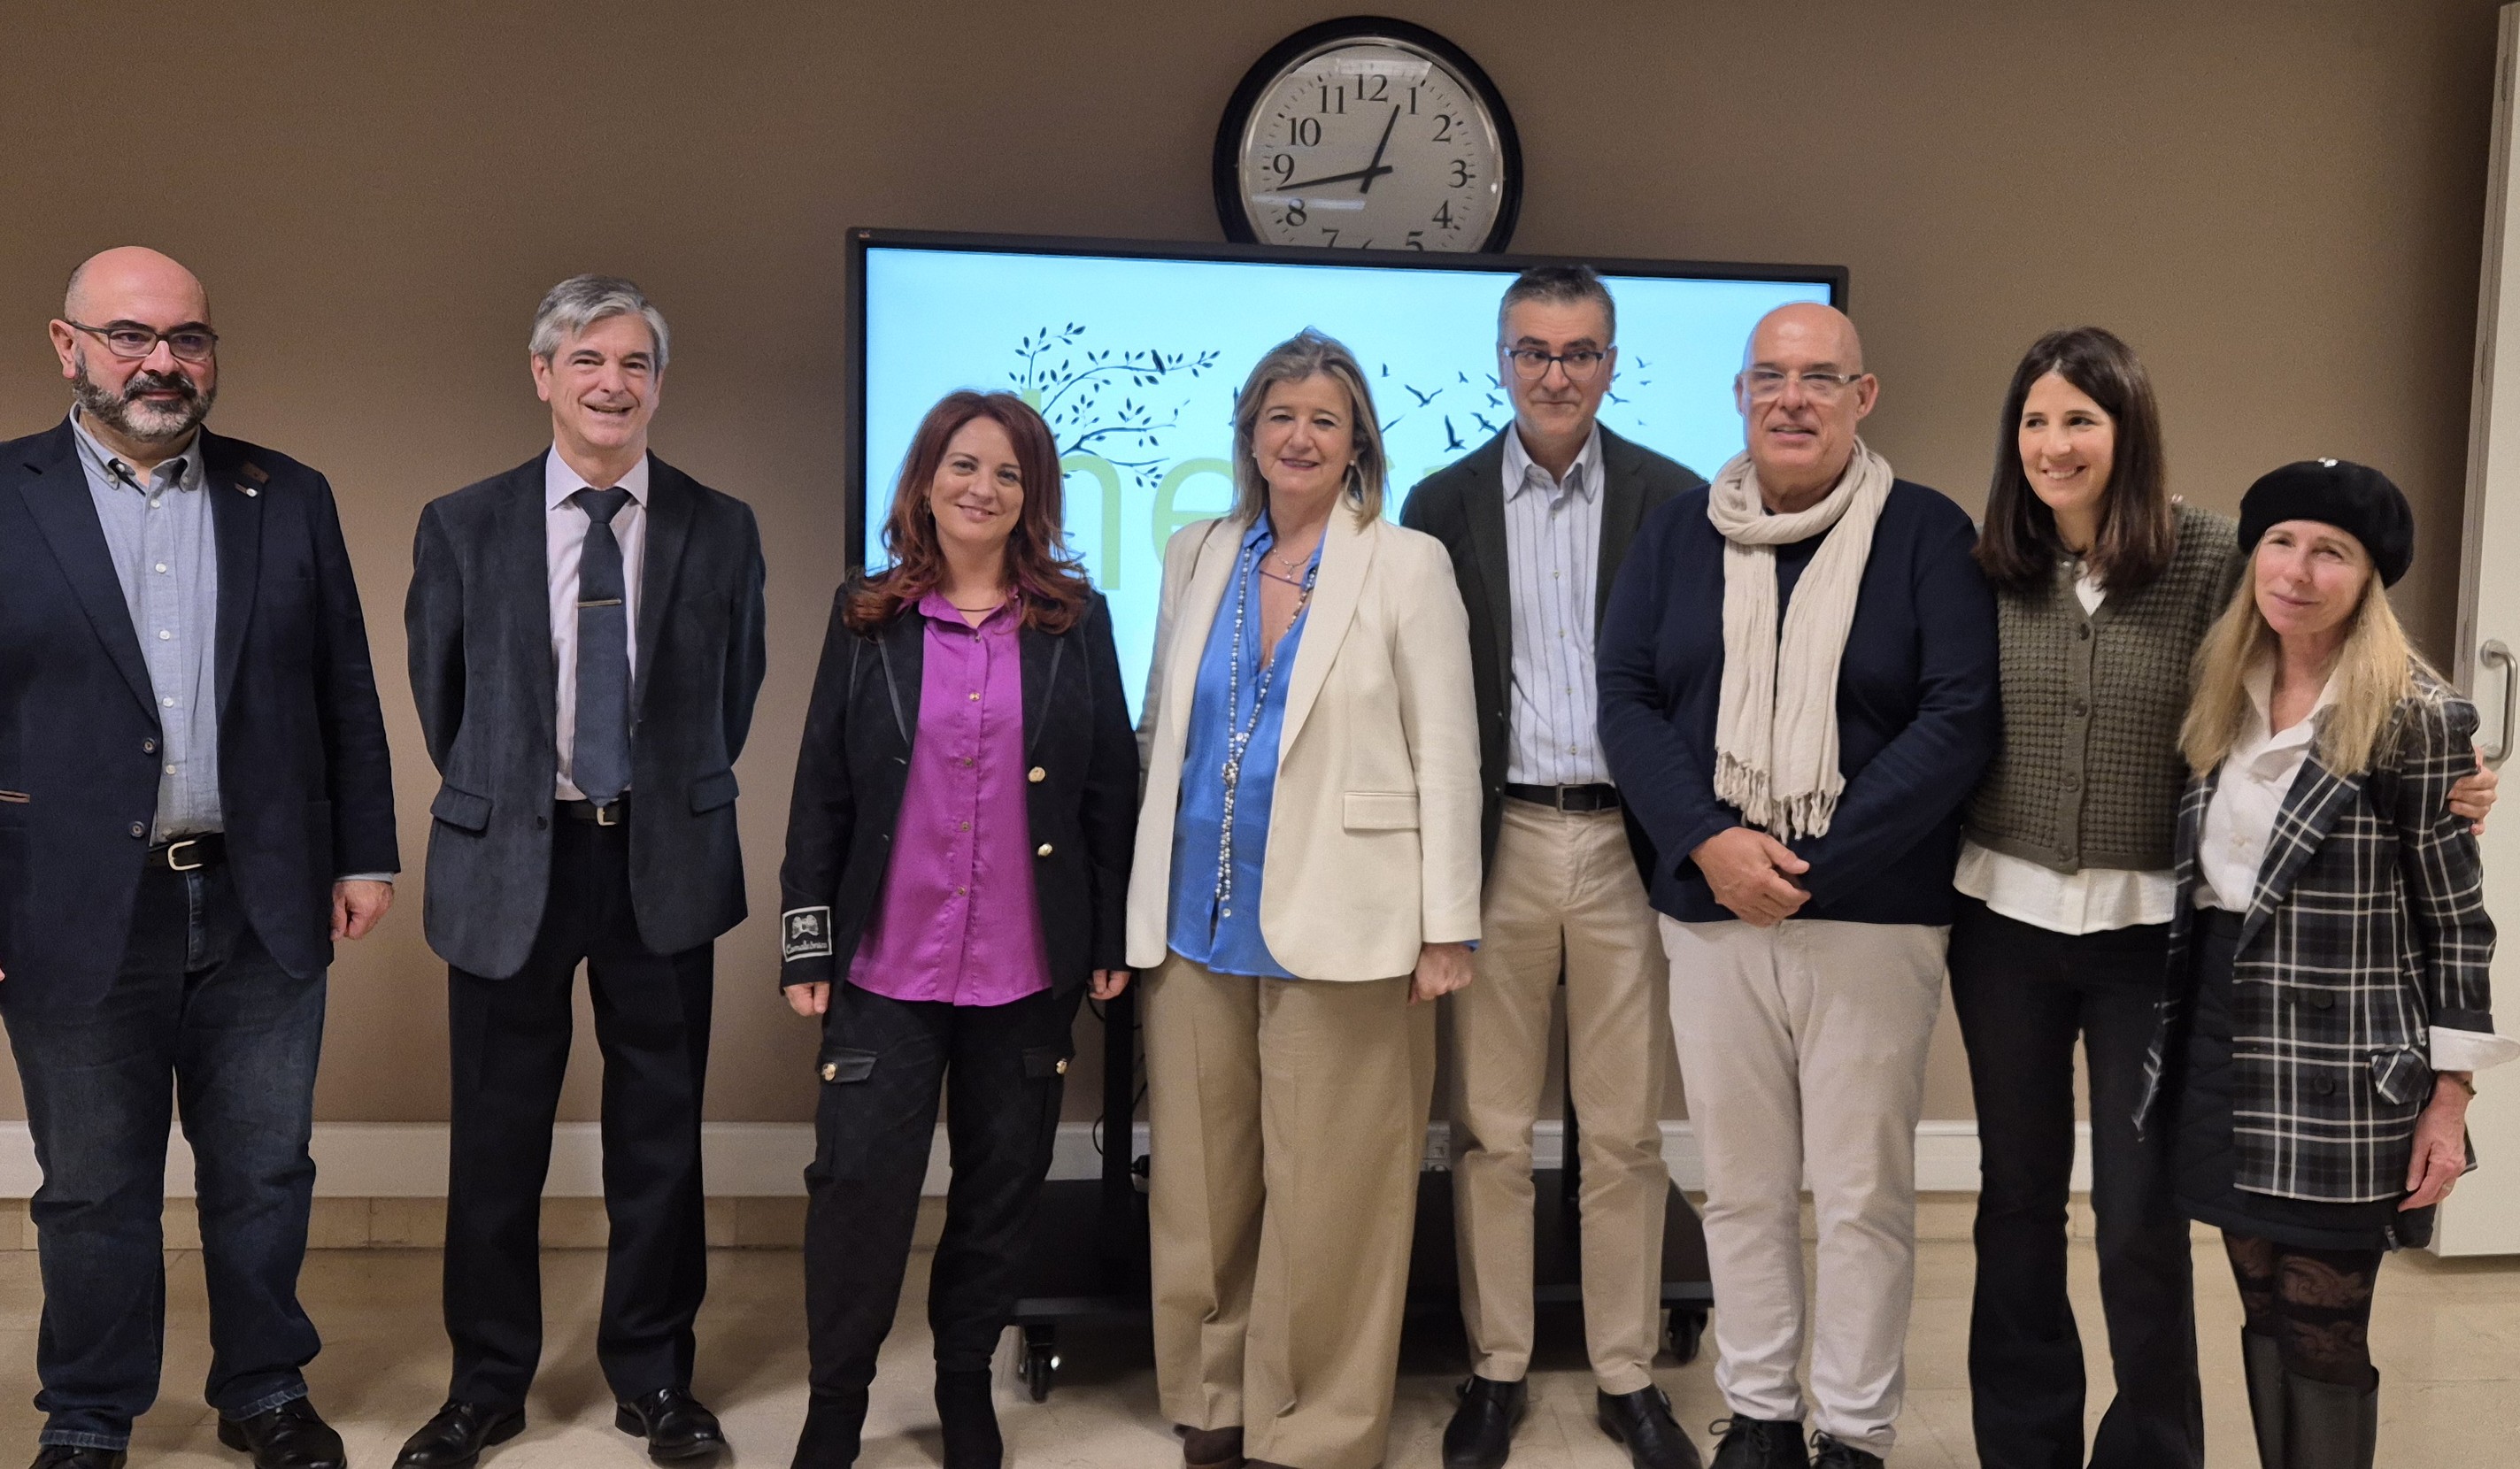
(1687,1329)
(1039,1360)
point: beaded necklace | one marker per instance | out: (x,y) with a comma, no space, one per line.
(1238,738)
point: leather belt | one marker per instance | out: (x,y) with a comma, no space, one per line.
(189,854)
(1579,798)
(612,815)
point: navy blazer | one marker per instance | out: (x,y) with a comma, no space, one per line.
(303,775)
(854,766)
(1917,713)
(478,619)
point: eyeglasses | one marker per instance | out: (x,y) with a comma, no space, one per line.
(1767,385)
(1531,364)
(133,343)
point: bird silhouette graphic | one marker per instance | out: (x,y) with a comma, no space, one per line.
(1452,437)
(1423,398)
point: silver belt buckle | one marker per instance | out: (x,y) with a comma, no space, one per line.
(173,866)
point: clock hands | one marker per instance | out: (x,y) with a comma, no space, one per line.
(1374,168)
(1367,174)
(1374,165)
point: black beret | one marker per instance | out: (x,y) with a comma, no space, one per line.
(2356,499)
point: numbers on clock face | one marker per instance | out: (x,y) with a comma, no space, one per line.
(1372,146)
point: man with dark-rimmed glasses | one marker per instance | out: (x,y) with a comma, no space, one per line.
(194,802)
(1538,520)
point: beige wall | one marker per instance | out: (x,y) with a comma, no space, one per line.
(2279,204)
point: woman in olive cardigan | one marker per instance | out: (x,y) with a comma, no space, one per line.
(2105,586)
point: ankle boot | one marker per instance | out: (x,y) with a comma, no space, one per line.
(832,1423)
(2330,1427)
(2263,1361)
(970,1420)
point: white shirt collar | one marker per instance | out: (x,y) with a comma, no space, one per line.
(560,482)
(1584,476)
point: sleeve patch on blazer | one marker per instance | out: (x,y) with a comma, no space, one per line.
(805,933)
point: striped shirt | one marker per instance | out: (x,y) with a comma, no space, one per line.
(1552,537)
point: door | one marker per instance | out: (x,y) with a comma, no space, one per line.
(2483,1217)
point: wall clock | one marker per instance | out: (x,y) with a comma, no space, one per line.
(1367,133)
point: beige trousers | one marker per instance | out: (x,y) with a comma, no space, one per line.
(1288,1122)
(1562,890)
(1803,1047)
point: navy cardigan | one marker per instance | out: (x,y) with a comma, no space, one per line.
(1918,711)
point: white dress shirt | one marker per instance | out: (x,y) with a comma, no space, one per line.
(2241,822)
(2257,775)
(2090,900)
(563,543)
(1552,552)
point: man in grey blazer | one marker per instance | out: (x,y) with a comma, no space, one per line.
(1538,520)
(586,642)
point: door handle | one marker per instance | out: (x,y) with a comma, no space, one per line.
(2497,654)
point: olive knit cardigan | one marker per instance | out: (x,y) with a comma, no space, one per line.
(2088,774)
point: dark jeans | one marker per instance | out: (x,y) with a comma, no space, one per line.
(999,1069)
(200,1014)
(509,1044)
(2024,995)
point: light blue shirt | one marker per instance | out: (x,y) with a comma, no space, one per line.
(159,534)
(1552,553)
(1226,936)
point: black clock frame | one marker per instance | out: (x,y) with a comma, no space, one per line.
(1227,169)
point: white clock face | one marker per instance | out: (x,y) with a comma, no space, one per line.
(1373,145)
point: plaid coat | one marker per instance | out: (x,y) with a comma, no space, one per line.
(2368,929)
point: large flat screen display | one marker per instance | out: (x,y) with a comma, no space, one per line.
(1134,353)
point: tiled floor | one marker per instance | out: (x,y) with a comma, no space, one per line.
(2446,1336)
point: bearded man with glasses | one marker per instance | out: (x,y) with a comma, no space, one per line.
(1798,689)
(1538,520)
(195,803)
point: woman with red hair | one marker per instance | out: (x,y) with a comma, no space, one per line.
(958,865)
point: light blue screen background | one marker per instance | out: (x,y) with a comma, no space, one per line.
(1135,364)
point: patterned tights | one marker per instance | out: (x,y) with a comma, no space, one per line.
(2315,1304)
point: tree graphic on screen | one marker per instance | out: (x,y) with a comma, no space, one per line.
(1091,396)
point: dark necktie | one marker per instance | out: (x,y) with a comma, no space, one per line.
(600,761)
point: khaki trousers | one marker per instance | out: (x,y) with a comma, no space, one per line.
(1288,1122)
(1803,1047)
(1562,888)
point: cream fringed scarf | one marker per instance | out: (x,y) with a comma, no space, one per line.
(1776,723)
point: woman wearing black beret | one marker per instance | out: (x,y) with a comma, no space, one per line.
(2329,950)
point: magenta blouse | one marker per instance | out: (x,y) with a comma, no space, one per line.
(958,923)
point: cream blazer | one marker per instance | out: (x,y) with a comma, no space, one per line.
(1374,832)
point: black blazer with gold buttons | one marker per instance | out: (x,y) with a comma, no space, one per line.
(855,764)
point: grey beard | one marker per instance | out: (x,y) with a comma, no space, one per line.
(142,421)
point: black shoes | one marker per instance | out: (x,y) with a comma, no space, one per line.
(291,1436)
(455,1438)
(1760,1444)
(1836,1455)
(970,1420)
(1641,1420)
(1212,1447)
(833,1424)
(72,1456)
(1481,1433)
(677,1428)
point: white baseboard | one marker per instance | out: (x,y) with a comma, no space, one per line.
(767,1159)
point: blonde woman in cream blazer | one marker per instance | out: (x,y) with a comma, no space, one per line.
(1306,881)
